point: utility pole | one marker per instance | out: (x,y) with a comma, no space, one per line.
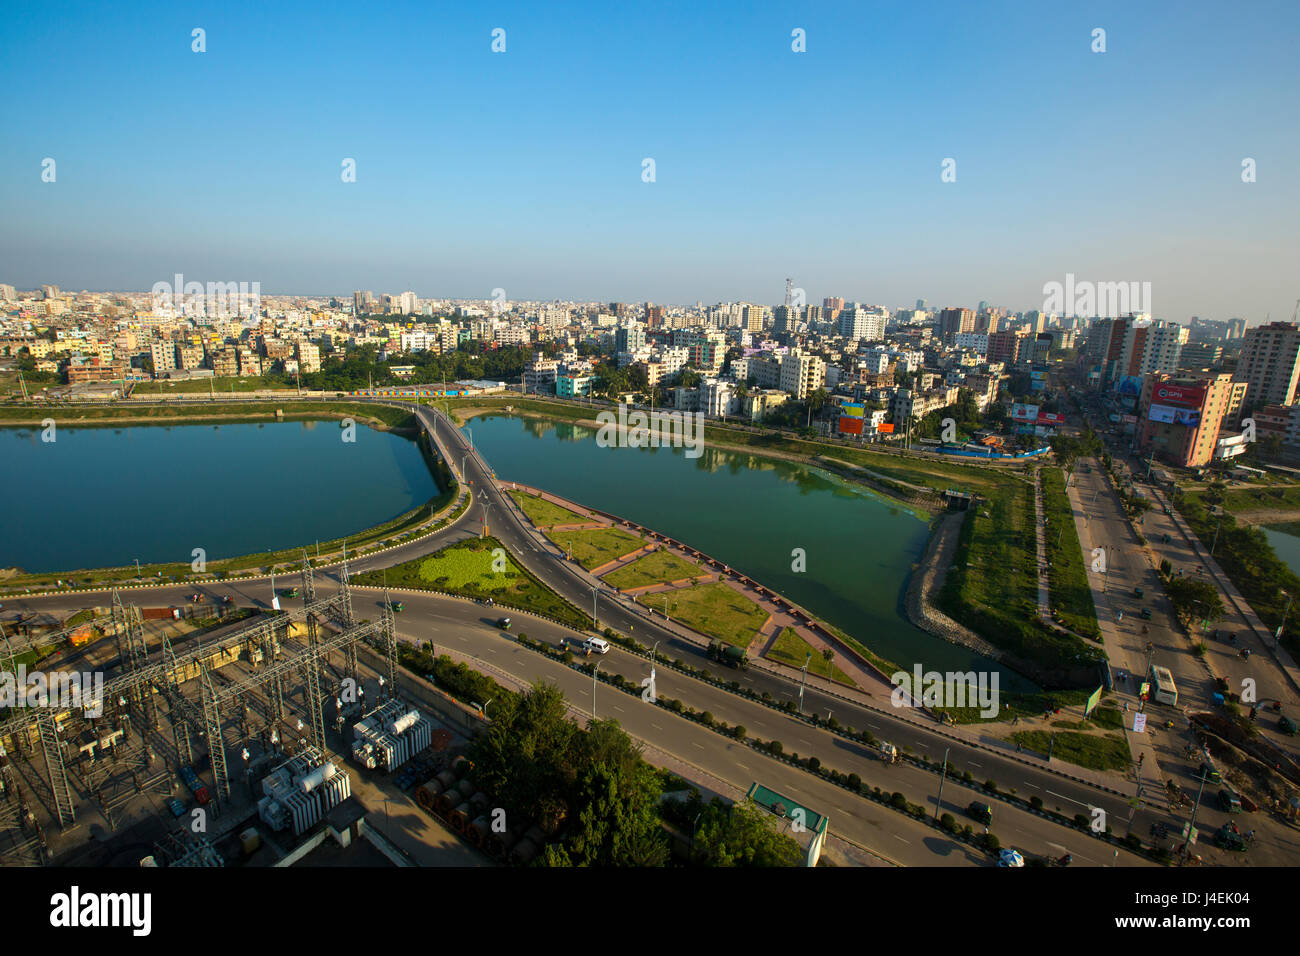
(938,803)
(1191,821)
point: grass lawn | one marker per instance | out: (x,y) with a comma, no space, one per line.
(792,649)
(467,568)
(993,586)
(712,609)
(596,546)
(544,513)
(657,568)
(1085,750)
(1070,594)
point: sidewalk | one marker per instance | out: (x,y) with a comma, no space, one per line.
(1286,664)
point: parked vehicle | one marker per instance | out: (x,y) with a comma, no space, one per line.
(1137,592)
(1146,614)
(597,644)
(1286,725)
(1229,802)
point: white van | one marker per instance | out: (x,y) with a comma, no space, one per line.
(597,644)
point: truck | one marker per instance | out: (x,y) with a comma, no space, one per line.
(728,654)
(888,752)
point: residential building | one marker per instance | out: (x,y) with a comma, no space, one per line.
(1270,364)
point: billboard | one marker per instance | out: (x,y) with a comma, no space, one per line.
(885,428)
(1093,701)
(850,426)
(1024,413)
(1170,415)
(1050,418)
(853,411)
(1129,385)
(1187,396)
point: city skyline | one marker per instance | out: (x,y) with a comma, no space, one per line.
(523,170)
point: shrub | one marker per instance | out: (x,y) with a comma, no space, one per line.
(898,800)
(738,732)
(814,764)
(775,747)
(991,786)
(706,719)
(1036,802)
(948,822)
(855,783)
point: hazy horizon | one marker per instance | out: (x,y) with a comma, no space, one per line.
(523,170)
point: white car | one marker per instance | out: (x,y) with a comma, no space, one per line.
(597,644)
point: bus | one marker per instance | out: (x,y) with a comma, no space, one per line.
(1165,690)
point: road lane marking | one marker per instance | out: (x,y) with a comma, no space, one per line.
(1064,797)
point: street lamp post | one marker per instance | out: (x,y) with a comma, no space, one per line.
(652,653)
(1277,638)
(594,668)
(594,623)
(938,803)
(804,679)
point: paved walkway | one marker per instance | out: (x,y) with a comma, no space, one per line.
(1040,539)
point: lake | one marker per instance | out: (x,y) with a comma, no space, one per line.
(99,497)
(752,513)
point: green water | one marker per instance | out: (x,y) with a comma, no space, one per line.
(751,513)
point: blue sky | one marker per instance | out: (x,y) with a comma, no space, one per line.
(522,170)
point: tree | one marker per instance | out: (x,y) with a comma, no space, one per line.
(523,758)
(744,835)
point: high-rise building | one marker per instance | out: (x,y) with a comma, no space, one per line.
(801,373)
(1270,364)
(1179,419)
(629,337)
(832,305)
(952,321)
(863,323)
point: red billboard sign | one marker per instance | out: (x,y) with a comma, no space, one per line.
(850,426)
(1050,418)
(1186,396)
